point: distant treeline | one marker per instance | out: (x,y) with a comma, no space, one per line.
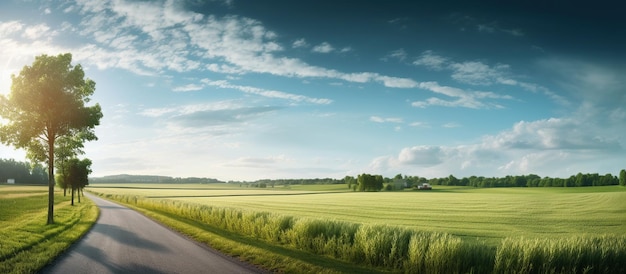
(531,180)
(22,172)
(150,179)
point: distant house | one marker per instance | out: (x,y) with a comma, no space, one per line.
(399,184)
(425,186)
(11,181)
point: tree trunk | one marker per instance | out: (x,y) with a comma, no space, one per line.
(72,195)
(78,194)
(65,191)
(50,179)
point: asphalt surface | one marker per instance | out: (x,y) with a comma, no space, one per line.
(124,241)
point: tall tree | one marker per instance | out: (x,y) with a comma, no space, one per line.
(47,102)
(622,177)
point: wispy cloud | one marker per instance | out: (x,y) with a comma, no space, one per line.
(399,54)
(378,119)
(478,73)
(300,43)
(152,38)
(324,47)
(266,93)
(468,72)
(431,60)
(461,98)
(207,115)
(494,27)
(189,87)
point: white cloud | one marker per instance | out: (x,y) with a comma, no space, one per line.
(468,72)
(189,87)
(265,92)
(395,82)
(399,54)
(478,73)
(451,125)
(300,43)
(431,60)
(378,119)
(150,38)
(461,98)
(324,47)
(11,27)
(551,147)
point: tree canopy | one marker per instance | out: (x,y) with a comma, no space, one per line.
(369,182)
(47,102)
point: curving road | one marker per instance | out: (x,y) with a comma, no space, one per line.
(124,241)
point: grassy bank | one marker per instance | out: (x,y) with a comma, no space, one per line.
(395,248)
(26,243)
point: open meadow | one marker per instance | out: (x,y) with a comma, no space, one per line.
(491,226)
(26,242)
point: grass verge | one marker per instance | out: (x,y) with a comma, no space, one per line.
(27,244)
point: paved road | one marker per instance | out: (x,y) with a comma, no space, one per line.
(124,241)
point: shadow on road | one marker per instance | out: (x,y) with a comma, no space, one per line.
(126,237)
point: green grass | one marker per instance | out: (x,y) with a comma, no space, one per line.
(475,214)
(26,243)
(450,229)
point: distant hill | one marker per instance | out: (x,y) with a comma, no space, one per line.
(150,179)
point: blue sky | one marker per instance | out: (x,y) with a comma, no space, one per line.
(245,90)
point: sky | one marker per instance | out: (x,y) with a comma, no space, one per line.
(247,90)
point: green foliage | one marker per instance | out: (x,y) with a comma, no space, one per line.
(22,172)
(367,182)
(622,177)
(75,174)
(47,103)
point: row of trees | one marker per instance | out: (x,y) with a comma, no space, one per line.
(74,174)
(367,182)
(22,172)
(48,116)
(531,180)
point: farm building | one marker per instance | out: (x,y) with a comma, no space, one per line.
(425,186)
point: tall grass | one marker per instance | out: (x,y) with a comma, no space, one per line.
(392,247)
(580,254)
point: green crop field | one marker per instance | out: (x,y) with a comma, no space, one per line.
(449,229)
(26,242)
(488,214)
